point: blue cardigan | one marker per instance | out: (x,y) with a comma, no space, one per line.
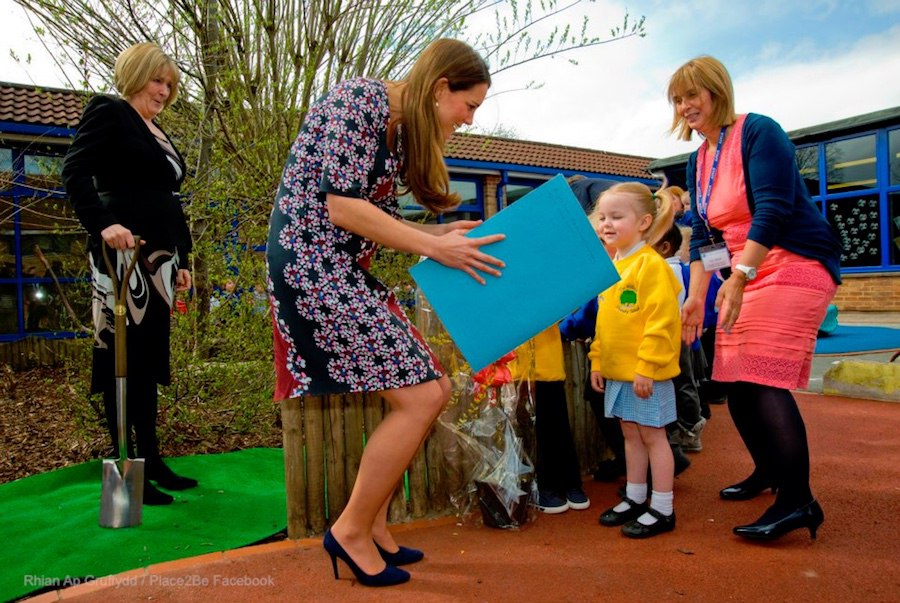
(783,212)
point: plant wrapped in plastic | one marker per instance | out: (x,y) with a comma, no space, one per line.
(480,433)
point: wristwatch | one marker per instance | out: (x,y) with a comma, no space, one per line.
(749,271)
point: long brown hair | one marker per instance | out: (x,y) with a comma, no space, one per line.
(423,171)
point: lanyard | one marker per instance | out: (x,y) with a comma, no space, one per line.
(703,200)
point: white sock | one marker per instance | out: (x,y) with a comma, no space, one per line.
(661,502)
(636,492)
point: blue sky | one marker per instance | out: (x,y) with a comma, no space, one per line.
(801,62)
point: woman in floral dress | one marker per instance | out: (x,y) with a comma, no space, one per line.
(337,328)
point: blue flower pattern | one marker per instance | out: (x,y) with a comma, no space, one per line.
(342,328)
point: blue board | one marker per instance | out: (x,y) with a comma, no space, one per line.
(554,264)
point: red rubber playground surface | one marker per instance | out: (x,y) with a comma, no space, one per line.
(855,452)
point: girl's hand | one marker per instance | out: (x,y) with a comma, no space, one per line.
(118,237)
(597,382)
(183,279)
(456,250)
(642,386)
(692,313)
(729,300)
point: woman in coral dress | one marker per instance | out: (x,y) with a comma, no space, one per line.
(753,216)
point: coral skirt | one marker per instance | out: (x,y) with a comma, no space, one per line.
(773,341)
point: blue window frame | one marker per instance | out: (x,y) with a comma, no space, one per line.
(855,182)
(471,193)
(34,214)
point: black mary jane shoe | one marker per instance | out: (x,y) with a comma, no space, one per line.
(747,489)
(611,518)
(809,516)
(664,523)
(168,479)
(403,556)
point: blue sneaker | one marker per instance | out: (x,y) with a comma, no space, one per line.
(577,499)
(548,502)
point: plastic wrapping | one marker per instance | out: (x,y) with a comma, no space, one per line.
(483,434)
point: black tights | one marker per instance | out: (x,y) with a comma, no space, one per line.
(772,428)
(141,412)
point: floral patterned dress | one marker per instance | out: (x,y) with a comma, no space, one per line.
(337,328)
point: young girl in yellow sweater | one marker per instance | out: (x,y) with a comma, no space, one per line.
(635,351)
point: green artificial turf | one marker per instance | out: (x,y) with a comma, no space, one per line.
(49,522)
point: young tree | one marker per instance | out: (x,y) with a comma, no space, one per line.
(253,67)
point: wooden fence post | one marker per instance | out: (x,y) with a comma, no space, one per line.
(294,468)
(314,429)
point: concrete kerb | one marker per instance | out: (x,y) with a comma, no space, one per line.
(863,379)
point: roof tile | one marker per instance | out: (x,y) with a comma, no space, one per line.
(55,107)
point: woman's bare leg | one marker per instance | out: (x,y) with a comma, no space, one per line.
(386,456)
(380,531)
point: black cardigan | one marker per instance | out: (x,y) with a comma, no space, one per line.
(115,156)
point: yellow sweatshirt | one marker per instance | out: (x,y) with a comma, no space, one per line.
(540,358)
(638,323)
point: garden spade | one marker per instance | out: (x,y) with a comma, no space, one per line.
(122,496)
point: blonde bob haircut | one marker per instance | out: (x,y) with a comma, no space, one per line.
(423,171)
(139,64)
(703,72)
(659,205)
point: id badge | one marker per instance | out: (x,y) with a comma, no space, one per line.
(715,257)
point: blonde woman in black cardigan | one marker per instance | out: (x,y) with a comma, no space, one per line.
(122,174)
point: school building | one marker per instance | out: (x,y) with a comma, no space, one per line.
(852,168)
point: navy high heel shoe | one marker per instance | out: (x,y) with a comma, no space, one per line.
(389,576)
(404,556)
(809,516)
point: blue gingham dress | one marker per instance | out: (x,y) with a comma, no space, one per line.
(656,411)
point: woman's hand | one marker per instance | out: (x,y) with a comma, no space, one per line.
(642,386)
(183,280)
(455,250)
(597,382)
(729,300)
(692,313)
(118,237)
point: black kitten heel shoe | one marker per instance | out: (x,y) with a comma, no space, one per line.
(747,489)
(404,556)
(809,516)
(389,576)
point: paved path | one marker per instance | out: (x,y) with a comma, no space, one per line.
(569,557)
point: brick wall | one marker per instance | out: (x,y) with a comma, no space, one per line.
(490,195)
(869,293)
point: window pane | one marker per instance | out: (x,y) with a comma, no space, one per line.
(9,323)
(6,170)
(7,254)
(808,162)
(66,253)
(857,225)
(514,192)
(43,171)
(45,310)
(467,191)
(894,154)
(894,204)
(851,164)
(453,216)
